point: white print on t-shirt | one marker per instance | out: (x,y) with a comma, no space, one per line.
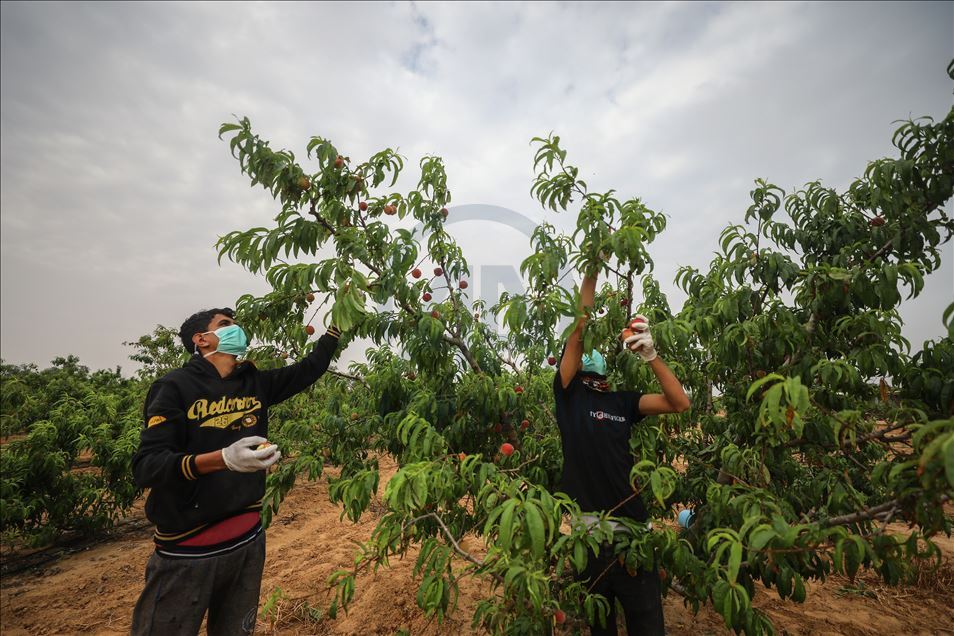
(603,415)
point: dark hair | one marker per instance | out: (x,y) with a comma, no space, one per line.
(199,323)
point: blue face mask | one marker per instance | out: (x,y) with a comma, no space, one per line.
(594,362)
(232,340)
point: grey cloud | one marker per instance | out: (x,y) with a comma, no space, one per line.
(115,186)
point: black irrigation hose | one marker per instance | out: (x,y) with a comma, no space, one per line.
(17,564)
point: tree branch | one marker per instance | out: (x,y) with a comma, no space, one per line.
(450,339)
(493,347)
(879,512)
(450,292)
(516,469)
(450,537)
(874,436)
(457,342)
(349,377)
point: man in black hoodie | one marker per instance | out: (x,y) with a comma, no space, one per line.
(595,428)
(203,453)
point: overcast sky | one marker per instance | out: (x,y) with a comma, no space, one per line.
(115,186)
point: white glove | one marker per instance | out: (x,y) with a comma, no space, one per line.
(641,341)
(241,457)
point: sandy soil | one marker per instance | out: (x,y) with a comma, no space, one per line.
(93,590)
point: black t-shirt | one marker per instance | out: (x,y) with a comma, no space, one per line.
(595,430)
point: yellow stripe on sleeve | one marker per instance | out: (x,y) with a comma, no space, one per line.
(186,469)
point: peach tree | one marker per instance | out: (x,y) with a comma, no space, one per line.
(813,426)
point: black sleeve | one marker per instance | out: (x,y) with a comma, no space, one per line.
(281,384)
(631,404)
(558,389)
(161,459)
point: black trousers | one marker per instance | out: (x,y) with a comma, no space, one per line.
(639,595)
(178,593)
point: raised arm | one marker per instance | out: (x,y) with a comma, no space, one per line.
(573,353)
(285,382)
(673,399)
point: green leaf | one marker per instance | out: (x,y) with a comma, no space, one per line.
(579,556)
(224,128)
(948,451)
(798,594)
(656,482)
(735,560)
(535,527)
(771,377)
(505,533)
(761,536)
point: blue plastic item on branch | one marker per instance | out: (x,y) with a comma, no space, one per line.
(685,517)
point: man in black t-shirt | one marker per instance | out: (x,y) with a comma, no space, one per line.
(595,426)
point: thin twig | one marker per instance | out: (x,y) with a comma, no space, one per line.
(884,248)
(493,348)
(349,377)
(602,574)
(447,533)
(887,519)
(517,468)
(875,512)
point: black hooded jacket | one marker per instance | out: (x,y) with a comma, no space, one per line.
(193,410)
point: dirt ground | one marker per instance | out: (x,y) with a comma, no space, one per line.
(93,590)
